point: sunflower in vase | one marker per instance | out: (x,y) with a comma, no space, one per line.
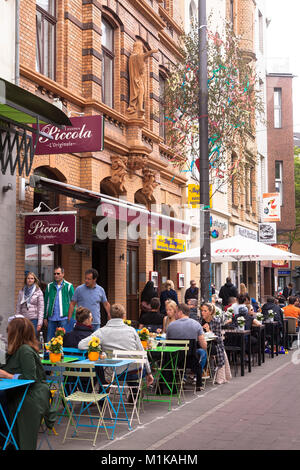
(94,349)
(144,336)
(55,348)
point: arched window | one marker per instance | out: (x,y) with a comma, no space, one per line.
(107,63)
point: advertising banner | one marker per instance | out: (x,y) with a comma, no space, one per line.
(280,263)
(271,207)
(172,245)
(85,135)
(194,194)
(54,229)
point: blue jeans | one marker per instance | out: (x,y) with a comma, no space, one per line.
(95,326)
(52,325)
(34,321)
(202,357)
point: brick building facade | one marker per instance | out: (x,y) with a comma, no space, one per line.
(90,43)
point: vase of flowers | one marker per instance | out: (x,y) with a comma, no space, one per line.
(94,349)
(241,323)
(259,317)
(60,332)
(229,313)
(55,348)
(271,315)
(144,336)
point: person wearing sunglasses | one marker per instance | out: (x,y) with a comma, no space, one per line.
(58,295)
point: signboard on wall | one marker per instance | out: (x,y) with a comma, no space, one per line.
(194,194)
(54,229)
(271,207)
(172,245)
(280,263)
(85,135)
(267,232)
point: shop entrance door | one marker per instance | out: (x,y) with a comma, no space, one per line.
(132,282)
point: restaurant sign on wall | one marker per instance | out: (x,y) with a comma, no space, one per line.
(56,229)
(85,135)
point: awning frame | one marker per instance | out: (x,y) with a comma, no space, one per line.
(86,195)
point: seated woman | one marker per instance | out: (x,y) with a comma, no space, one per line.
(153,320)
(211,323)
(171,311)
(148,293)
(23,362)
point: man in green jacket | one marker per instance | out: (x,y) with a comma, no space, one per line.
(58,295)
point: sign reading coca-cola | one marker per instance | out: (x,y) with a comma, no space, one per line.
(85,135)
(56,229)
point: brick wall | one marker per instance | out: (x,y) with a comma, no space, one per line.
(78,83)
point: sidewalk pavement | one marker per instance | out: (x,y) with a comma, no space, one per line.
(258,411)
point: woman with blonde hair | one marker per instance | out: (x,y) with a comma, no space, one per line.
(30,301)
(171,311)
(243,289)
(211,323)
(168,293)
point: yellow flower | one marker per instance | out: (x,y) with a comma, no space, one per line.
(129,322)
(94,344)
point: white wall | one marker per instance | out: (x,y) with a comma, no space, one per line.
(261,128)
(7,199)
(7,49)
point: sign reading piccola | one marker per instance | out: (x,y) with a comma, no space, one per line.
(56,229)
(85,135)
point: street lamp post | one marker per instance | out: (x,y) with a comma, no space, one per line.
(205,253)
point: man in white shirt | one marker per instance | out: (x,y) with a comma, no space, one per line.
(117,335)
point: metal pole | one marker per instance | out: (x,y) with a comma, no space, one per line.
(205,253)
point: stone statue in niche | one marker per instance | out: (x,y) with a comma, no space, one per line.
(118,173)
(137,78)
(149,183)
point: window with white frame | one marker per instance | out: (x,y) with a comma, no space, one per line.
(45,37)
(107,63)
(279,179)
(277,108)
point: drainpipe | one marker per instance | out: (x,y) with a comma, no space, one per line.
(17,42)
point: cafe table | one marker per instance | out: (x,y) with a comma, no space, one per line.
(56,379)
(261,339)
(240,337)
(272,330)
(120,370)
(164,359)
(9,384)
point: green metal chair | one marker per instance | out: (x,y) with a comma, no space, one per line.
(85,399)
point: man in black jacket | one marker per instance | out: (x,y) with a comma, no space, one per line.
(227,290)
(192,292)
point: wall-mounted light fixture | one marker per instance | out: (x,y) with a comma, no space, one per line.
(122,256)
(6,188)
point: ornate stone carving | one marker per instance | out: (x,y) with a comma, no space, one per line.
(137,79)
(118,173)
(149,183)
(136,162)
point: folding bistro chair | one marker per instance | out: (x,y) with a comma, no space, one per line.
(132,385)
(292,330)
(86,371)
(181,365)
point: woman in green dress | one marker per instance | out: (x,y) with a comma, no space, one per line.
(23,362)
